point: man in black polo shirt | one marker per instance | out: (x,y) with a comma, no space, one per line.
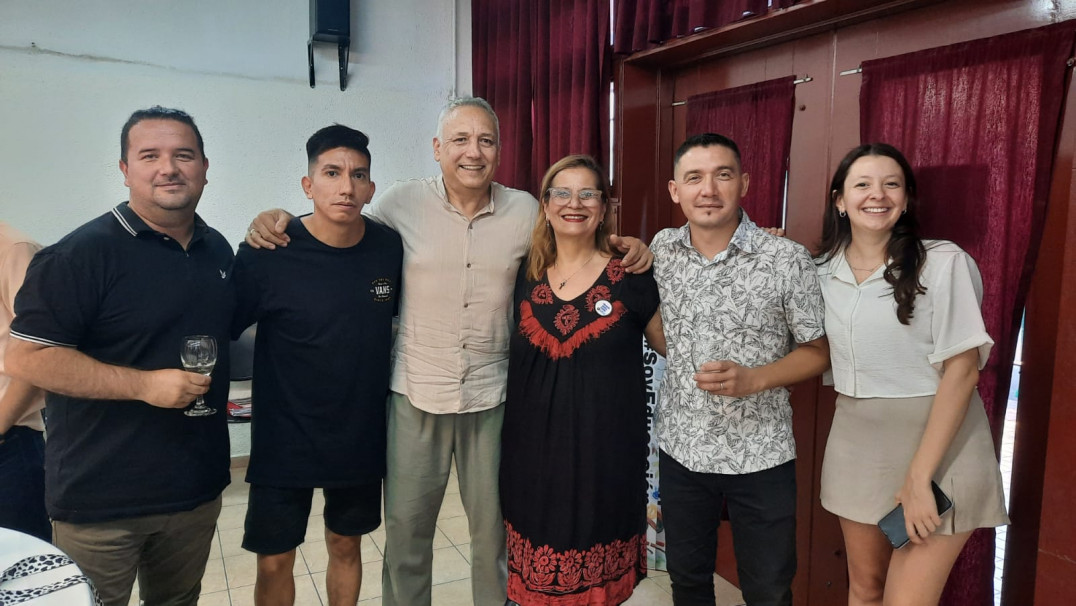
(324,308)
(132,484)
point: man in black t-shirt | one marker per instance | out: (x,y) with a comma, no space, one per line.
(131,483)
(324,308)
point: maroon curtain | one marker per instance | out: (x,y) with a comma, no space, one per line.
(979,121)
(544,66)
(758,117)
(502,68)
(572,73)
(638,25)
(642,24)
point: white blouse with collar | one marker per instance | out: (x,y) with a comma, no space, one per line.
(873,354)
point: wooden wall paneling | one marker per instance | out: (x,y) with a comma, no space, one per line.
(823,578)
(806,18)
(808,166)
(677,132)
(636,153)
(667,144)
(804,401)
(955,21)
(689,81)
(940,25)
(828,582)
(848,52)
(1039,565)
(1055,578)
(1036,384)
(726,558)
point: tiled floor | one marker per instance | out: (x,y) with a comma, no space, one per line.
(230,573)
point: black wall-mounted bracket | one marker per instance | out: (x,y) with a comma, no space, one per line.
(330,21)
(344,52)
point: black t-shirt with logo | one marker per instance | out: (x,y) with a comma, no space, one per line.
(321,355)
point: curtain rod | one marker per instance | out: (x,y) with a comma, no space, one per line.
(859,70)
(802,80)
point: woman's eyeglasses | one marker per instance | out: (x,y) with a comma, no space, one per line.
(562,196)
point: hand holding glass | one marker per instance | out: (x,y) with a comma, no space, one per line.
(708,348)
(199,354)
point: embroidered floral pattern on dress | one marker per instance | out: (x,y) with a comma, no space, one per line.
(604,573)
(542,293)
(615,270)
(569,317)
(530,327)
(566,319)
(596,294)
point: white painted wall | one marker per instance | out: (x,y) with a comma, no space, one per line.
(71,71)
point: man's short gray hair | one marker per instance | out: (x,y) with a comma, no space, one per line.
(459,102)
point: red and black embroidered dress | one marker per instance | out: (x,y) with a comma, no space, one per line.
(575,439)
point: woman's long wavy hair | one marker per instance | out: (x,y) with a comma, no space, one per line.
(543,242)
(905,253)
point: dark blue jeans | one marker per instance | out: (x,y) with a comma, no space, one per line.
(22,482)
(762,514)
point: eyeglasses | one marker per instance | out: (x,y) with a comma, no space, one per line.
(562,196)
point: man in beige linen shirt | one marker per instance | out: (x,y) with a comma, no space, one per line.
(22,444)
(464,238)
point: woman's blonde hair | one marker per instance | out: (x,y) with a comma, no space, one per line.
(543,243)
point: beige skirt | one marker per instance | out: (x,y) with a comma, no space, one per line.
(871,443)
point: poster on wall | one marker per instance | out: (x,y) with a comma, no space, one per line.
(654,368)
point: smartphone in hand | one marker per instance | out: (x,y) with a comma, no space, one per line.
(892,524)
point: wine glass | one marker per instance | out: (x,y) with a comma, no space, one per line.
(199,354)
(708,347)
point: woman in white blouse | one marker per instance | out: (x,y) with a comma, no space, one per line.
(907,341)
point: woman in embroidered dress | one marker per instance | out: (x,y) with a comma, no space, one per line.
(575,440)
(907,341)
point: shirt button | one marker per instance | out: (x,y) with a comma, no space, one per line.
(462,381)
(470,226)
(468,265)
(166,238)
(465,305)
(464,346)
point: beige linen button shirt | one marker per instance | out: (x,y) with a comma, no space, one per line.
(451,353)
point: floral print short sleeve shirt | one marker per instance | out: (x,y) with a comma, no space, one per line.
(750,304)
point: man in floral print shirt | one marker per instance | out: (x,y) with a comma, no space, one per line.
(733,300)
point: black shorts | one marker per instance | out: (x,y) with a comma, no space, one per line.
(277,517)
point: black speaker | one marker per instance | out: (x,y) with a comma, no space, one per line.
(330,20)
